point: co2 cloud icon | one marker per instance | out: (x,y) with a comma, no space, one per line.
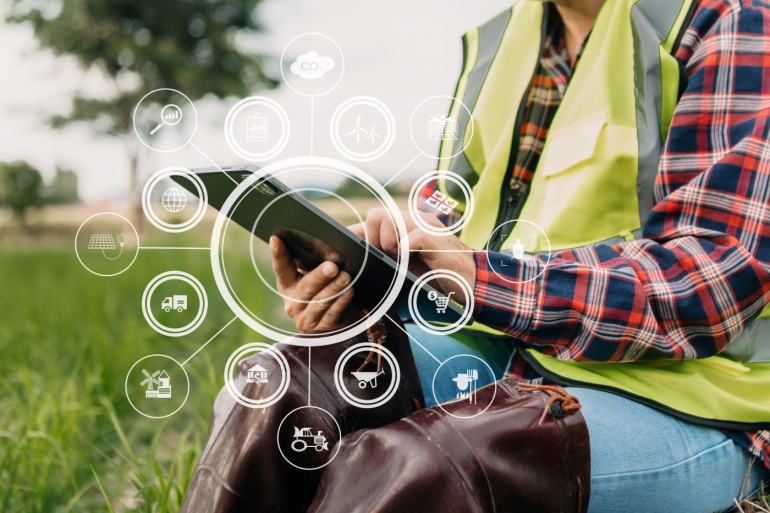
(312,66)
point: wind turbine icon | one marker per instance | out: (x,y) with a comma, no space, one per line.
(358,130)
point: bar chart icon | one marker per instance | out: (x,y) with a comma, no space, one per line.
(256,128)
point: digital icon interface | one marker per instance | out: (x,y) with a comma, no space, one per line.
(358,129)
(442,302)
(178,303)
(442,127)
(467,385)
(158,384)
(174,200)
(102,241)
(367,378)
(256,374)
(304,439)
(312,66)
(170,115)
(441,202)
(256,128)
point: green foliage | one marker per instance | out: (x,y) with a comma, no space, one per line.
(20,188)
(63,188)
(192,45)
(69,440)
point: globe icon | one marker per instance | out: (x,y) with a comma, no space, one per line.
(174,200)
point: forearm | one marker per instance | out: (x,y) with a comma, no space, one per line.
(685,296)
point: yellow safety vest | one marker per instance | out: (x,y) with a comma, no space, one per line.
(594,182)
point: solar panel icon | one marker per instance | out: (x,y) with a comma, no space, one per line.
(101,241)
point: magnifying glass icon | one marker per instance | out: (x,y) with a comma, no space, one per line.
(170,115)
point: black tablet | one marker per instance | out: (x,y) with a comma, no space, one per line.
(270,207)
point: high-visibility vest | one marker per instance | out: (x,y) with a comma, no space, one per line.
(594,182)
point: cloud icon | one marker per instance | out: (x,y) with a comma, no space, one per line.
(312,66)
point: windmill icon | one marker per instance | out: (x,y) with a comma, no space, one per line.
(160,379)
(358,130)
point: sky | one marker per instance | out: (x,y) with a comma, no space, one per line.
(400,52)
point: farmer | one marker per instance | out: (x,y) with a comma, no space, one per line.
(634,134)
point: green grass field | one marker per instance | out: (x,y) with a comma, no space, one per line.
(69,439)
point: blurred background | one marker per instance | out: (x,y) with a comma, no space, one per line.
(73,70)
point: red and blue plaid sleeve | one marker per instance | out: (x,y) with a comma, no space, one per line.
(701,271)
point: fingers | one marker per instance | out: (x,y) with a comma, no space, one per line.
(336,310)
(283,265)
(358,229)
(321,310)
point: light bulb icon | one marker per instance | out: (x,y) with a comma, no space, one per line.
(122,239)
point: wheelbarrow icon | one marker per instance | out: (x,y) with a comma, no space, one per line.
(367,377)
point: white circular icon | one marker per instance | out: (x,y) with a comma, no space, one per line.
(174,303)
(441,204)
(256,376)
(363,128)
(464,372)
(264,327)
(157,386)
(441,121)
(257,128)
(308,447)
(529,241)
(439,302)
(165,120)
(174,199)
(312,64)
(106,244)
(367,378)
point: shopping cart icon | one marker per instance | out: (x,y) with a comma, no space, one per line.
(442,302)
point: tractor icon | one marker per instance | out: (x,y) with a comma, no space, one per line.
(300,444)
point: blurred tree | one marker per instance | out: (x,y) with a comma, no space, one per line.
(195,46)
(20,186)
(63,188)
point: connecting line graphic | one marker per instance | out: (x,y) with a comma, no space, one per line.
(171,247)
(414,339)
(309,373)
(209,340)
(215,164)
(447,251)
(402,169)
(311,126)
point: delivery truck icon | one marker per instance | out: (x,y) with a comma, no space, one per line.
(178,303)
(256,128)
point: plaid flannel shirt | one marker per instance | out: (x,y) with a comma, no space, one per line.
(704,257)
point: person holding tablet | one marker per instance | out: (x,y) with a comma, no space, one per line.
(635,134)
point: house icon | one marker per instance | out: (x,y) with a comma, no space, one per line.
(256,374)
(164,388)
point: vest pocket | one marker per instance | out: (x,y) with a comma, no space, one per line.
(589,195)
(573,144)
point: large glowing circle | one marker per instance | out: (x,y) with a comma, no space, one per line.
(357,327)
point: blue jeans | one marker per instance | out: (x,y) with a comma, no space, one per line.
(642,460)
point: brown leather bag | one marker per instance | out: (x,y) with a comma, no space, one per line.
(524,454)
(241,468)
